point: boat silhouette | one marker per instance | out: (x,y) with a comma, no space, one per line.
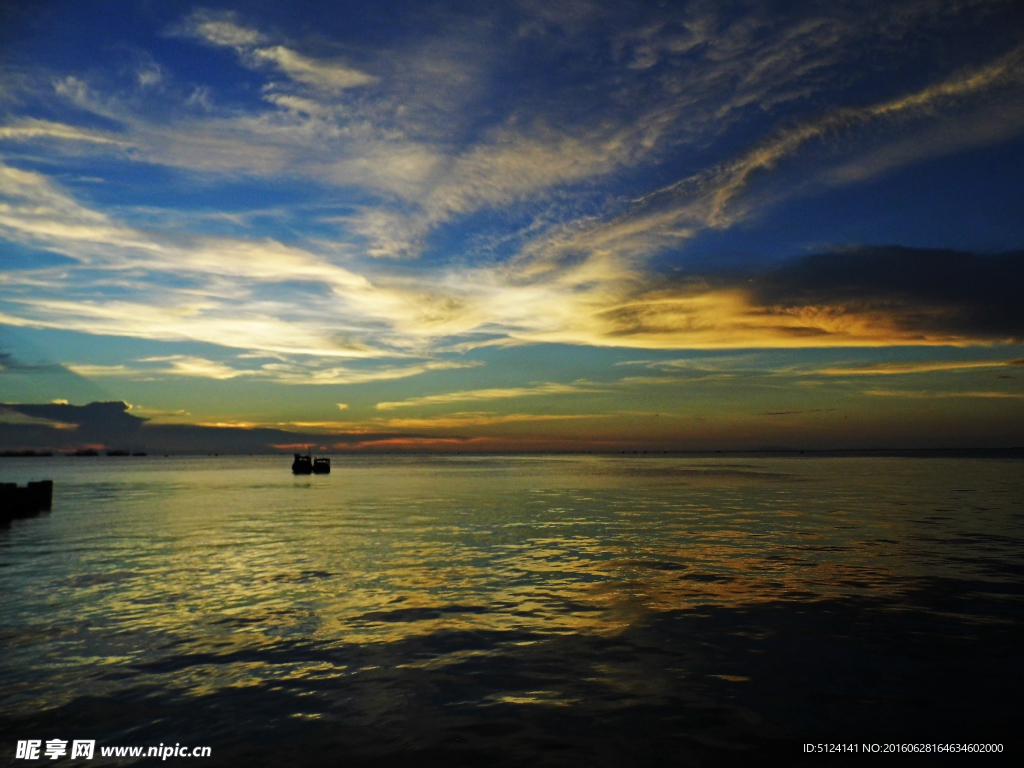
(17,503)
(305,464)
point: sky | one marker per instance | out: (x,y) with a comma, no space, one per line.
(509,226)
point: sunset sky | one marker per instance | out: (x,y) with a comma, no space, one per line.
(513,225)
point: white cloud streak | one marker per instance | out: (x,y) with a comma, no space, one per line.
(293,373)
(223,29)
(495,393)
(26,129)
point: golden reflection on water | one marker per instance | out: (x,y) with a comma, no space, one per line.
(200,574)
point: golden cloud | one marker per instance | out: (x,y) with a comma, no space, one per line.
(899,369)
(927,394)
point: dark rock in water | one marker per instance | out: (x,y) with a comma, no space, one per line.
(321,466)
(303,464)
(17,502)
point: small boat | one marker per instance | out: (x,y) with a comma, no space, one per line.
(17,502)
(303,464)
(321,466)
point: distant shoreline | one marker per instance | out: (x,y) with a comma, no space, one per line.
(925,453)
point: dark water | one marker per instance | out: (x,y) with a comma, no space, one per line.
(515,611)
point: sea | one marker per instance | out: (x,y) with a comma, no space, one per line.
(568,610)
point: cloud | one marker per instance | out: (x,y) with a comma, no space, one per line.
(579,269)
(668,380)
(899,369)
(480,419)
(865,297)
(718,368)
(90,370)
(711,198)
(390,144)
(326,76)
(924,394)
(220,29)
(37,212)
(931,292)
(799,413)
(75,424)
(761,55)
(856,297)
(496,393)
(414,443)
(1006,70)
(10,364)
(178,365)
(56,426)
(219,305)
(187,365)
(223,29)
(10,416)
(28,128)
(296,374)
(289,372)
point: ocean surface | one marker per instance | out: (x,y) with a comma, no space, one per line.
(515,611)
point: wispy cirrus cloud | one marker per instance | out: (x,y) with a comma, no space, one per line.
(189,365)
(902,369)
(577,273)
(493,393)
(222,28)
(395,143)
(296,373)
(461,420)
(712,198)
(673,380)
(715,368)
(926,394)
(92,370)
(28,129)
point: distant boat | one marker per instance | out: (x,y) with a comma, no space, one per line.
(17,503)
(303,464)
